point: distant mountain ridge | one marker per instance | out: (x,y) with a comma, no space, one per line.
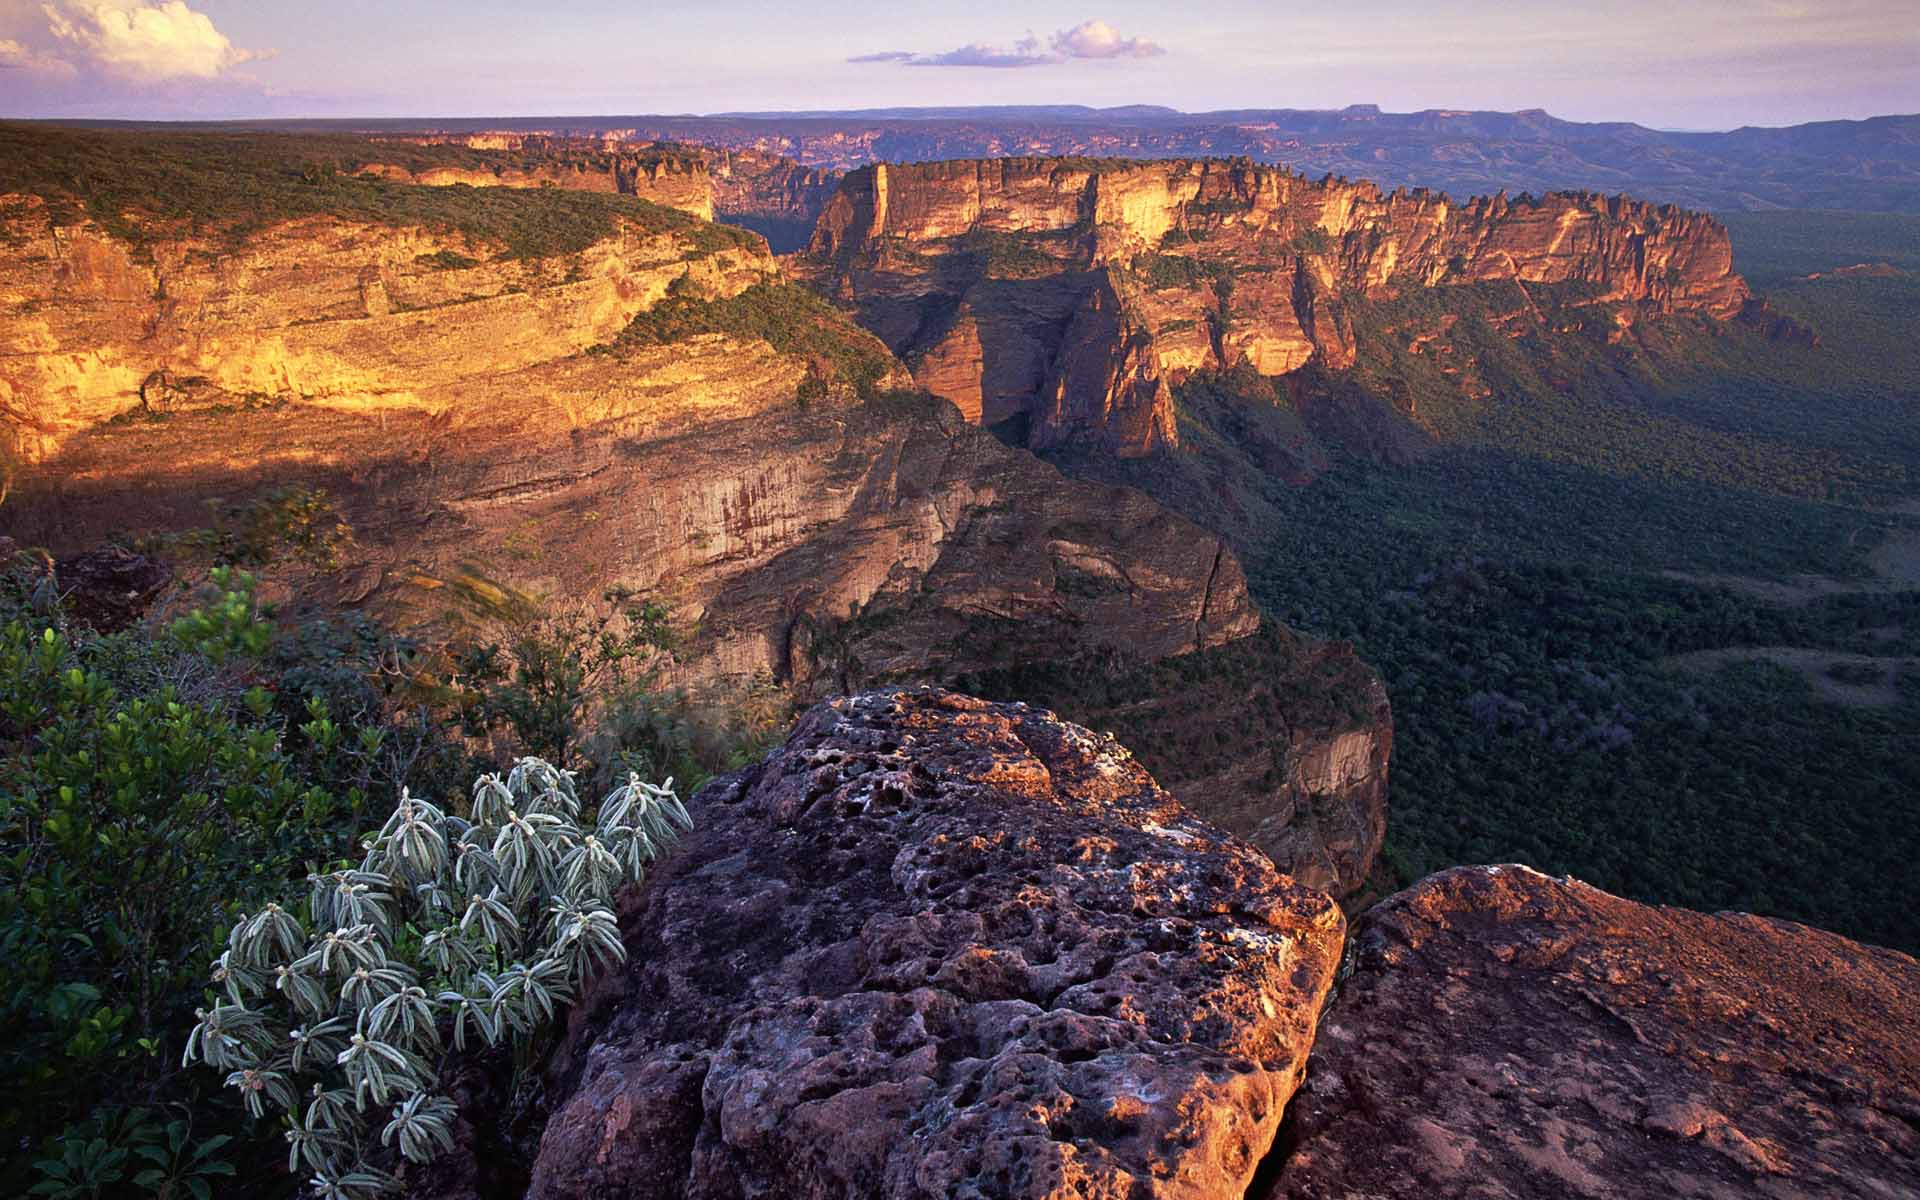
(1863,165)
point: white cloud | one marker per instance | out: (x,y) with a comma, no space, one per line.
(146,41)
(1097,39)
(1088,39)
(17,57)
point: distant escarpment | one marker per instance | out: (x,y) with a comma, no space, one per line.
(674,176)
(1061,298)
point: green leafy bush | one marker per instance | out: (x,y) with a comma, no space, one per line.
(452,931)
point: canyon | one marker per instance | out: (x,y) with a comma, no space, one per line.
(1074,927)
(1069,296)
(1866,165)
(495,442)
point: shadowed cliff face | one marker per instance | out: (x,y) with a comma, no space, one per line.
(777,198)
(1067,294)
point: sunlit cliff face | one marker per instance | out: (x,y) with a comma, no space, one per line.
(1074,291)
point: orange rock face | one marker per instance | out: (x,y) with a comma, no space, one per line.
(323,311)
(1089,284)
(667,175)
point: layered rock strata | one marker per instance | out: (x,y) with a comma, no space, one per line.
(1065,294)
(938,947)
(673,176)
(441,398)
(320,311)
(1504,1034)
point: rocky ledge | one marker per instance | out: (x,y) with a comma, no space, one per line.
(1504,1034)
(940,947)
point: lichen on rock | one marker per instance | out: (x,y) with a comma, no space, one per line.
(941,947)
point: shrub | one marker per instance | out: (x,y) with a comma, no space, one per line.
(128,824)
(786,316)
(452,930)
(147,793)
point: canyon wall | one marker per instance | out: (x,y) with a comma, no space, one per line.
(1067,294)
(489,437)
(324,310)
(775,197)
(673,176)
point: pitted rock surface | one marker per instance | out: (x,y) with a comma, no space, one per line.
(940,947)
(1504,1034)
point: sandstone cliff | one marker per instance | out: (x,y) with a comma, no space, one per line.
(443,394)
(324,310)
(1504,1034)
(1066,293)
(937,947)
(673,176)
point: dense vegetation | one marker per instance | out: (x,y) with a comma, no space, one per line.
(159,780)
(1525,580)
(786,316)
(231,185)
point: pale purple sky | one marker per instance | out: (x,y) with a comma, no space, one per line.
(1697,64)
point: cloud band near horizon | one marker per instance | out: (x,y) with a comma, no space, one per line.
(1087,40)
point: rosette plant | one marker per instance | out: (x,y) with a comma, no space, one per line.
(452,932)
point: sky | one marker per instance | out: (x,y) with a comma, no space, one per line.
(1672,64)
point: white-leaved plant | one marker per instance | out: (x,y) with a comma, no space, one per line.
(452,932)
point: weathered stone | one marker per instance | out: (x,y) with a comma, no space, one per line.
(939,947)
(665,174)
(1504,1034)
(1108,279)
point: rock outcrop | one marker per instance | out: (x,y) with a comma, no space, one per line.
(1504,1034)
(321,311)
(673,176)
(1067,293)
(938,947)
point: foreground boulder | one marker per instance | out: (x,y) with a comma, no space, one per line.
(940,947)
(1504,1034)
